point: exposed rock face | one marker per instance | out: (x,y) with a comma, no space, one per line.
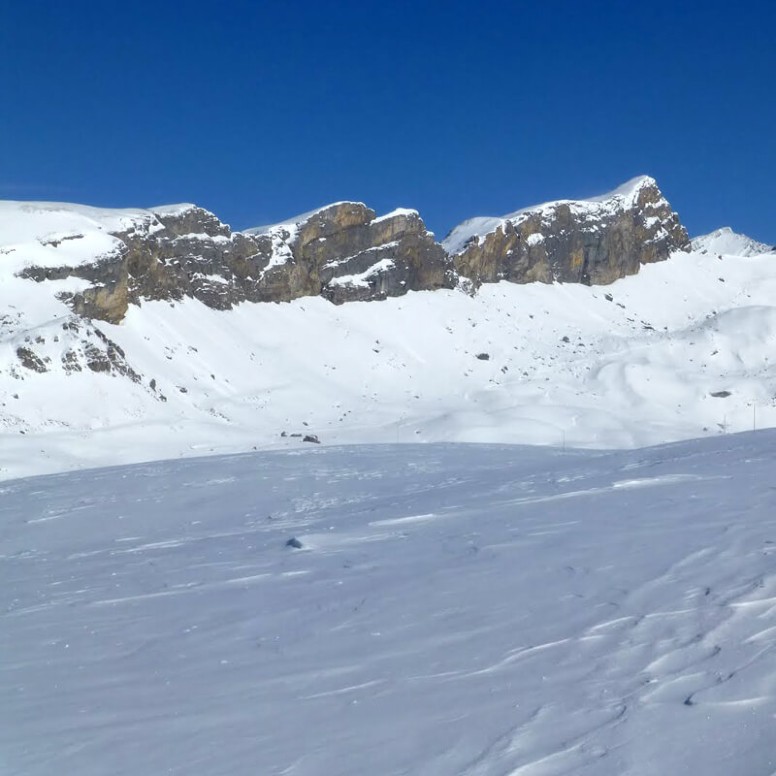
(344,253)
(371,258)
(191,253)
(106,299)
(592,241)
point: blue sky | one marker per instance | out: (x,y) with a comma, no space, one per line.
(259,110)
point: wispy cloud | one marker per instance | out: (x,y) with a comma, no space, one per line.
(33,190)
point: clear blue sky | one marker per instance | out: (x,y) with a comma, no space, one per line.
(260,110)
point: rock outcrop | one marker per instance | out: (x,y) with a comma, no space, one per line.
(343,252)
(105,298)
(349,254)
(594,242)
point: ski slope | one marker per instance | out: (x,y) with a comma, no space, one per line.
(454,609)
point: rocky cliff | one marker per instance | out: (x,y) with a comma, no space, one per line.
(343,252)
(593,241)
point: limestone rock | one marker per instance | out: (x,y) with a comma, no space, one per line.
(594,242)
(107,297)
(345,253)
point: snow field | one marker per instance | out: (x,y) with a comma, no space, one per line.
(475,610)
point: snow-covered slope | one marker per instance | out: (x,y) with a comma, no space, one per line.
(682,349)
(633,363)
(726,241)
(458,610)
(51,234)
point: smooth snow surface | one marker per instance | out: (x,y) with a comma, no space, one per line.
(467,610)
(53,234)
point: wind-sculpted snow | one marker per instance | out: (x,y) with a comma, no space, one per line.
(452,609)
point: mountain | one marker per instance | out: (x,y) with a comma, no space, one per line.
(343,252)
(594,241)
(128,335)
(329,606)
(726,241)
(452,609)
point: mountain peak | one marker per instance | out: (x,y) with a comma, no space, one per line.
(726,241)
(625,195)
(592,241)
(627,190)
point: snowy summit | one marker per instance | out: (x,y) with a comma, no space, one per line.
(726,241)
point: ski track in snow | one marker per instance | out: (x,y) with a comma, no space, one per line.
(454,609)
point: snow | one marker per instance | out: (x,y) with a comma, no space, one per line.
(643,359)
(362,278)
(468,609)
(454,609)
(535,239)
(376,249)
(166,211)
(204,237)
(291,224)
(399,211)
(628,191)
(726,241)
(54,234)
(456,241)
(30,221)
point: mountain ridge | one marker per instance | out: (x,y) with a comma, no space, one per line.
(343,251)
(677,350)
